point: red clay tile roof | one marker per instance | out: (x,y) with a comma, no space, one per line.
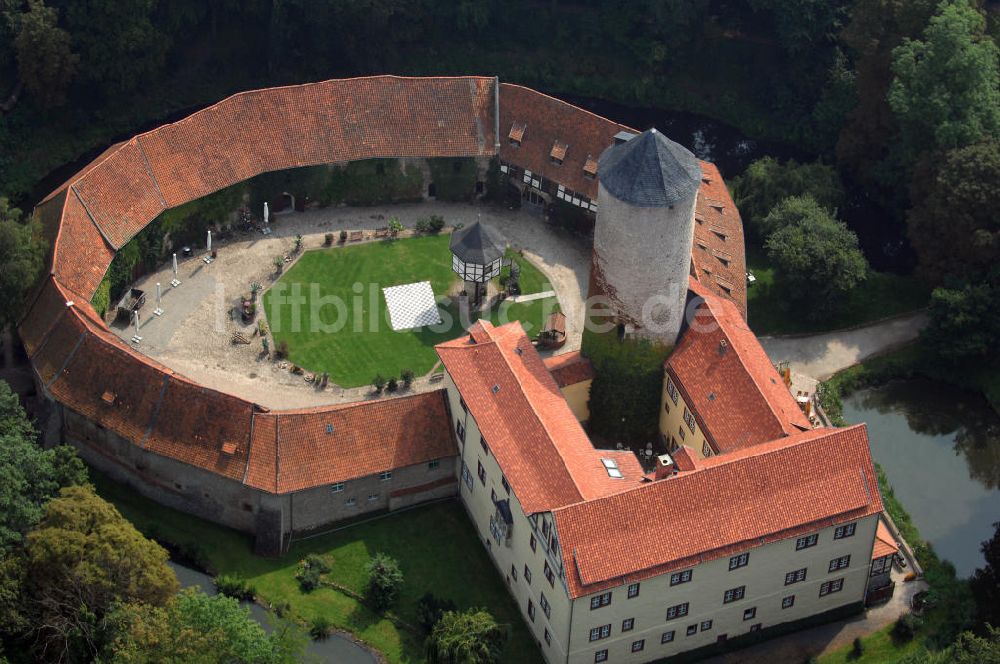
(306,448)
(81,254)
(529,427)
(729,503)
(727,380)
(569,368)
(885,543)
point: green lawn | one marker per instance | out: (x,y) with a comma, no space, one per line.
(437,548)
(882,294)
(355,347)
(878,648)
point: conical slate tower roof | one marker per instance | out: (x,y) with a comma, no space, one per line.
(478,244)
(649,171)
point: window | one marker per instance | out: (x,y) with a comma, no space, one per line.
(549,576)
(678,611)
(706,625)
(486,448)
(601,656)
(881,565)
(544,603)
(628,624)
(597,601)
(337,487)
(830,587)
(385,476)
(460,430)
(689,419)
(481,472)
(545,528)
(667,637)
(637,646)
(602,632)
(692,629)
(734,594)
(434,463)
(533,544)
(706,451)
(372,497)
(351,502)
(788,602)
(739,561)
(527,575)
(531,610)
(461,402)
(806,542)
(680,432)
(506,484)
(548,637)
(796,576)
(513,572)
(493,496)
(846,530)
(611,466)
(839,563)
(755,627)
(633,590)
(672,391)
(750,614)
(678,578)
(467,476)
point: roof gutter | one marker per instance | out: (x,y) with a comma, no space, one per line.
(496,114)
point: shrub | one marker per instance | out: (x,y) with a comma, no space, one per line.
(328,240)
(235,586)
(261,326)
(343,236)
(310,572)
(392,385)
(430,609)
(906,627)
(319,627)
(298,243)
(281,350)
(384,581)
(857,648)
(395,226)
(278,263)
(407,375)
(378,382)
(436,223)
(422,226)
(469,636)
(255,288)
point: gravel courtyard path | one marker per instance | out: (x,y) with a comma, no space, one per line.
(193,337)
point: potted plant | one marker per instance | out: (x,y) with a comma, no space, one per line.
(279,264)
(407,375)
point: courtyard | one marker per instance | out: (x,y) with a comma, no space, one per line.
(194,336)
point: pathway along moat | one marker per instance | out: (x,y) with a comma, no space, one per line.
(940,448)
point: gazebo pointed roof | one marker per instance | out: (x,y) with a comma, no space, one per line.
(477,243)
(649,170)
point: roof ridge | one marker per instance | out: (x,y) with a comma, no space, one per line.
(557,99)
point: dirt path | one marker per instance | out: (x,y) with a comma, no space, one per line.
(822,355)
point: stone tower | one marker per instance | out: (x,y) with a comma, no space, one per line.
(642,240)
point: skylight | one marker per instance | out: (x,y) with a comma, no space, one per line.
(611,466)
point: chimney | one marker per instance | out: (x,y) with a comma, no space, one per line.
(722,347)
(664,467)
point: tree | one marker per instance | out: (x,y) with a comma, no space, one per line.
(972,649)
(767,182)
(467,637)
(384,581)
(29,475)
(194,628)
(985,582)
(81,560)
(431,608)
(45,61)
(946,92)
(953,224)
(964,323)
(818,258)
(790,212)
(22,255)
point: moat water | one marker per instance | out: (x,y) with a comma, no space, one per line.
(940,448)
(335,649)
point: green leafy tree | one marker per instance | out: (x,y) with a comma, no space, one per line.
(45,60)
(953,224)
(972,649)
(384,581)
(964,323)
(467,637)
(790,212)
(193,628)
(946,93)
(82,559)
(22,255)
(767,182)
(29,475)
(985,581)
(818,259)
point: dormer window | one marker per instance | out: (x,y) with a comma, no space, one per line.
(716,206)
(516,134)
(590,168)
(558,153)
